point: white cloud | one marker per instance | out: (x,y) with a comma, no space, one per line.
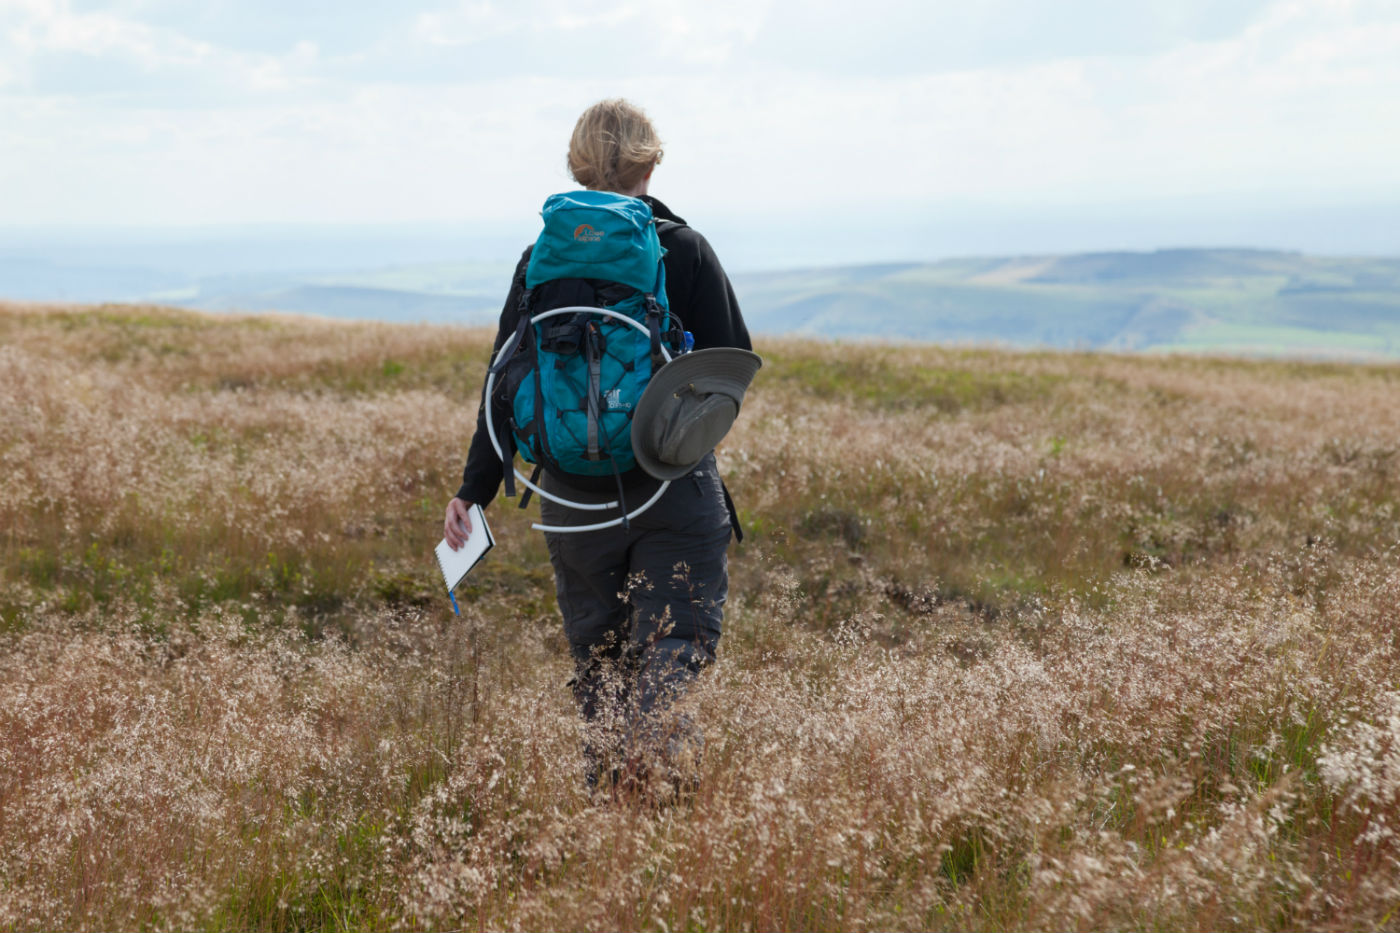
(54,27)
(574,17)
(91,47)
(674,31)
(467,23)
(712,33)
(1306,97)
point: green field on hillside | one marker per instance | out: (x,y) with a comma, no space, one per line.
(1250,302)
(1243,301)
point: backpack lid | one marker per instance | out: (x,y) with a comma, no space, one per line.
(597,235)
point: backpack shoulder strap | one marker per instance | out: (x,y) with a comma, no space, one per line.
(521,267)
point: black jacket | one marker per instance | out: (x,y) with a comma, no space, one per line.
(697,291)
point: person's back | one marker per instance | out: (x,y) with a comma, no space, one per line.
(642,605)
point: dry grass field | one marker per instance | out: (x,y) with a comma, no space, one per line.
(1017,641)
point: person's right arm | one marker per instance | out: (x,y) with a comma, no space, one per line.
(481,477)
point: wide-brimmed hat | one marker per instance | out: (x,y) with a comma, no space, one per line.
(688,407)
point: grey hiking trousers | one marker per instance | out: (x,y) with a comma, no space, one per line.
(642,609)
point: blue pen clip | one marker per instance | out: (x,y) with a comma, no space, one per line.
(453,597)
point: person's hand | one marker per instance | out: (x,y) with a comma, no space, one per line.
(457,526)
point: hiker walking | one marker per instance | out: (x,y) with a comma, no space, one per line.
(643,599)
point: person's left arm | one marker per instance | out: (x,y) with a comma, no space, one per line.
(711,311)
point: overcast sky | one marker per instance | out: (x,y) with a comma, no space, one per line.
(177,112)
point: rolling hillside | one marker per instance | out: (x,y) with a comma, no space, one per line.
(1245,301)
(1216,300)
(1221,300)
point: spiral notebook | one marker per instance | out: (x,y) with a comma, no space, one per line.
(457,564)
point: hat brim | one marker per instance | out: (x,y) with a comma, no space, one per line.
(729,370)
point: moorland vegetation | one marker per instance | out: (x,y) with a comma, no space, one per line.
(1017,640)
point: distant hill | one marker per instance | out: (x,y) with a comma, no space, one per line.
(1233,300)
(1223,300)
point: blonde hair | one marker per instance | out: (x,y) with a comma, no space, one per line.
(614,146)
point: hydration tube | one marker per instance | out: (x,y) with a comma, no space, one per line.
(509,348)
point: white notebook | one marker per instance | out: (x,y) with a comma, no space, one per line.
(457,564)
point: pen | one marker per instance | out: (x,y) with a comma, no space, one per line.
(455,610)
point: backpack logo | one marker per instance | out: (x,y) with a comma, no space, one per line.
(585,233)
(613,398)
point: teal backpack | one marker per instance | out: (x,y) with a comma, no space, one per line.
(593,321)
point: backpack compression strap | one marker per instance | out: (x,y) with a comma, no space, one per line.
(593,348)
(654,330)
(534,478)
